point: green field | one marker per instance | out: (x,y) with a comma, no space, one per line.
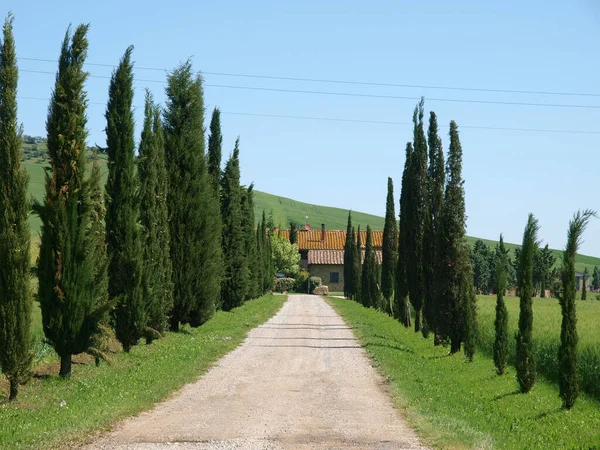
(455,404)
(55,413)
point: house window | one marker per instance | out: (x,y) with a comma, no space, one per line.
(334,277)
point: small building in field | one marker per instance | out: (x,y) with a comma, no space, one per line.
(322,253)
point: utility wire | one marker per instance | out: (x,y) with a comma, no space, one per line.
(375,122)
(354,94)
(350,82)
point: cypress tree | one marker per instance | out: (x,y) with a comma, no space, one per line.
(194,213)
(567,353)
(72,300)
(267,259)
(583,284)
(154,217)
(215,142)
(501,321)
(435,198)
(525,363)
(389,255)
(125,269)
(348,258)
(235,280)
(417,213)
(358,267)
(454,275)
(402,306)
(250,241)
(369,288)
(596,279)
(15,295)
(293,232)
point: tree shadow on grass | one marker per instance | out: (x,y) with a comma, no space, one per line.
(508,394)
(547,413)
(400,348)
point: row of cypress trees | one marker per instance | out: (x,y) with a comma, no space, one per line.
(425,264)
(169,240)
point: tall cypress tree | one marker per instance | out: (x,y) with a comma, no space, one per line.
(417,213)
(567,353)
(235,280)
(72,300)
(358,267)
(154,217)
(583,284)
(195,219)
(525,363)
(501,321)
(348,258)
(215,143)
(249,240)
(454,275)
(15,295)
(369,287)
(389,255)
(267,258)
(435,199)
(402,306)
(125,269)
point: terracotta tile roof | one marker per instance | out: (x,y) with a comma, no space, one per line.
(335,257)
(334,239)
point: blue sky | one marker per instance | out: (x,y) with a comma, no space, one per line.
(513,45)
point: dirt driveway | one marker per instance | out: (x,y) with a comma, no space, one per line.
(300,381)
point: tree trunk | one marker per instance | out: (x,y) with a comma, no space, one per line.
(454,346)
(418,320)
(14,388)
(65,366)
(174,324)
(437,340)
(408,323)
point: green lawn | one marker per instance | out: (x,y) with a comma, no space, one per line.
(96,397)
(455,404)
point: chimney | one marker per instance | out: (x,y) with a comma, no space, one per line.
(322,232)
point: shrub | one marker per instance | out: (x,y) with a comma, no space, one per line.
(302,280)
(284,284)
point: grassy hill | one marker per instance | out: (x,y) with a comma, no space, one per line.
(286,209)
(283,210)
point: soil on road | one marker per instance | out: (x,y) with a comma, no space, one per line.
(300,381)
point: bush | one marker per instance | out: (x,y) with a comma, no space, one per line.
(284,284)
(302,280)
(314,283)
(597,296)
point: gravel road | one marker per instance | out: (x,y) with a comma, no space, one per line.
(300,381)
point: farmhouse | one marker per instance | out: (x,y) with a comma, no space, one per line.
(322,253)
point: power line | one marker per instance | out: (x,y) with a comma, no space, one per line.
(354,94)
(351,82)
(374,122)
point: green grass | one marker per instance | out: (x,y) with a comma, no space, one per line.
(547,320)
(97,397)
(455,404)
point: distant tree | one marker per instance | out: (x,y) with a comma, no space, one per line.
(15,294)
(481,260)
(525,363)
(250,241)
(268,269)
(195,219)
(583,284)
(293,232)
(154,217)
(215,142)
(547,260)
(417,213)
(348,259)
(369,283)
(454,274)
(435,198)
(234,286)
(389,250)
(501,321)
(596,279)
(401,303)
(358,268)
(567,353)
(286,258)
(72,297)
(125,269)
